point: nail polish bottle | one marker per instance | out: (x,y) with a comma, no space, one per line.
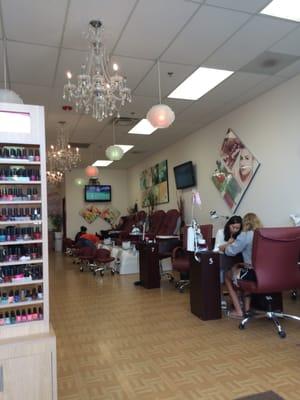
(2,235)
(23,316)
(36,234)
(22,295)
(12,317)
(18,316)
(29,315)
(29,193)
(40,293)
(34,314)
(35,194)
(40,313)
(30,155)
(24,154)
(12,153)
(18,153)
(7,318)
(36,155)
(10,297)
(17,296)
(4,299)
(2,321)
(5,152)
(34,294)
(28,296)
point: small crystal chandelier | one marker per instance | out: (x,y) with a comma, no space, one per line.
(55,177)
(97,90)
(62,157)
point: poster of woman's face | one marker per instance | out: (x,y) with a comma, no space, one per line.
(239,166)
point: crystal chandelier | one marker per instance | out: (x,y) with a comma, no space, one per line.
(97,90)
(54,177)
(62,157)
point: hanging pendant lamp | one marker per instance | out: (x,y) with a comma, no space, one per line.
(160,115)
(113,152)
(6,95)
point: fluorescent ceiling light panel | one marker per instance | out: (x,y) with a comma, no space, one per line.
(199,83)
(143,127)
(102,163)
(125,147)
(287,9)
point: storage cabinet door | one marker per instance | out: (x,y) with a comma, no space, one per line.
(27,378)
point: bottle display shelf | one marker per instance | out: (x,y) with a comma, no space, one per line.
(25,222)
(21,262)
(20,283)
(17,161)
(7,202)
(20,182)
(20,304)
(16,242)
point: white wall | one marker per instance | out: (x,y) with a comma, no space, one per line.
(75,198)
(270,127)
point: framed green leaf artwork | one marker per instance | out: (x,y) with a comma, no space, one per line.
(154,184)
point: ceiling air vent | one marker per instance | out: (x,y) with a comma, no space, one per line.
(125,121)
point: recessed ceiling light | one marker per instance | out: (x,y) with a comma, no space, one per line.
(199,83)
(287,9)
(143,127)
(101,163)
(125,147)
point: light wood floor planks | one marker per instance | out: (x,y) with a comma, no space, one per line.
(116,341)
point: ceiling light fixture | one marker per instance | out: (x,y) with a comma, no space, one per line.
(102,163)
(199,83)
(160,116)
(6,95)
(91,171)
(143,127)
(286,9)
(114,152)
(97,90)
(62,157)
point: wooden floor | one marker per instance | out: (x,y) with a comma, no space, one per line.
(116,341)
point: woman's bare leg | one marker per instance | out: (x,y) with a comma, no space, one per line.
(233,295)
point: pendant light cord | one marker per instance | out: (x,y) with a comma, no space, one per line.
(114,139)
(4,61)
(159,88)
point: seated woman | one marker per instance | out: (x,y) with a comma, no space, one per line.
(231,230)
(83,230)
(227,235)
(242,244)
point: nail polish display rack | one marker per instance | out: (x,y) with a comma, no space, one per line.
(23,232)
(27,340)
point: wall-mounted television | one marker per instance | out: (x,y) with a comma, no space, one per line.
(184,175)
(95,193)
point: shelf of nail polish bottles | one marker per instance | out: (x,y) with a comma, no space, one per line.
(20,304)
(18,182)
(21,283)
(25,222)
(12,161)
(16,242)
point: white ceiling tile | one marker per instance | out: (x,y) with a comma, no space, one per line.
(199,109)
(290,71)
(34,21)
(256,36)
(139,106)
(149,86)
(31,94)
(133,69)
(112,13)
(252,6)
(289,44)
(69,60)
(31,64)
(207,30)
(52,125)
(156,22)
(88,129)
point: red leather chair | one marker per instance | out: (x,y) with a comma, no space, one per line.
(102,258)
(155,222)
(275,256)
(180,258)
(86,257)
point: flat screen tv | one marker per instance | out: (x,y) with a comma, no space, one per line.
(94,193)
(184,175)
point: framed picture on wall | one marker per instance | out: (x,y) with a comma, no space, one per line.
(235,170)
(154,184)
